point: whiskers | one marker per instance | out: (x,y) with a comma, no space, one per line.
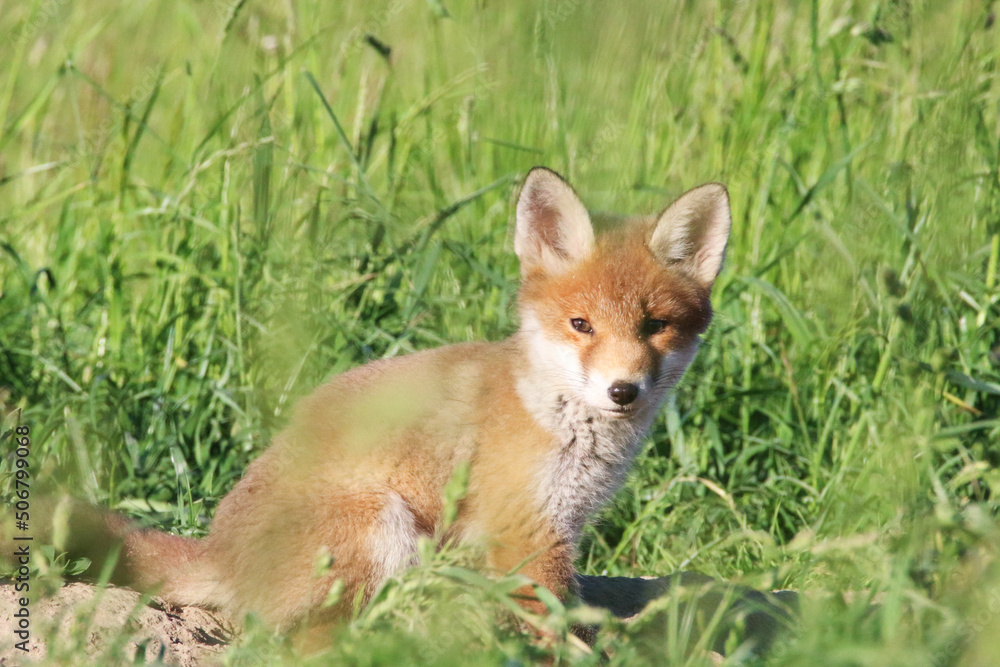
(558,379)
(666,380)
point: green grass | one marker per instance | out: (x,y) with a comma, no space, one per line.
(206,208)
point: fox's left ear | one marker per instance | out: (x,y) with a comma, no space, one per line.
(692,233)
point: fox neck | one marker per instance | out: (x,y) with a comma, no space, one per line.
(592,451)
(592,461)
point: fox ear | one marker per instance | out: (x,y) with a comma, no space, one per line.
(693,231)
(553,227)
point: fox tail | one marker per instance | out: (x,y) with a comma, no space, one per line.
(176,568)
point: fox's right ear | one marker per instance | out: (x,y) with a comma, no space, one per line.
(553,227)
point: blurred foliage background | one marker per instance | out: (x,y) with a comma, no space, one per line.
(207,208)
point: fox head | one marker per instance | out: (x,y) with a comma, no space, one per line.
(611,321)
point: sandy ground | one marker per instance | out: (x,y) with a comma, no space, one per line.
(86,616)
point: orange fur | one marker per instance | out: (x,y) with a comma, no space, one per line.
(359,472)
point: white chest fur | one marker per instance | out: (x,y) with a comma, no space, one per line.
(590,464)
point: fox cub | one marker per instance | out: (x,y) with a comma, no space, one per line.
(548,423)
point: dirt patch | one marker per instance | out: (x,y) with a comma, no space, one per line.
(84,619)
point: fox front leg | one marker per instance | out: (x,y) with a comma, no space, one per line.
(547,565)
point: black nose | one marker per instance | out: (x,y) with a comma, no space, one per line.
(623,393)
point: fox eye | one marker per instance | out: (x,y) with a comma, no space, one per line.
(653,327)
(582,325)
